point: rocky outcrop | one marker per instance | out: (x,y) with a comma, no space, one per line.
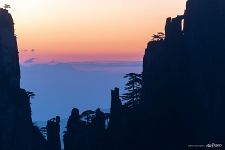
(183,77)
(174,27)
(53,134)
(116,109)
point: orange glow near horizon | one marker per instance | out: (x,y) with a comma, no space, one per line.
(86,30)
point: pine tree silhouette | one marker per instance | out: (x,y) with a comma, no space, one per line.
(133,88)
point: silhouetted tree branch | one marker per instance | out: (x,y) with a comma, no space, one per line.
(87,115)
(7,6)
(30,94)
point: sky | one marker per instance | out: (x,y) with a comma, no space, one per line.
(84,30)
(73,52)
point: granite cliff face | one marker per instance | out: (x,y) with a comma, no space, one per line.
(184,77)
(17,131)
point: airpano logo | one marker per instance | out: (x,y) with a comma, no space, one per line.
(211,146)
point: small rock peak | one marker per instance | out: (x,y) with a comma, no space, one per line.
(174,27)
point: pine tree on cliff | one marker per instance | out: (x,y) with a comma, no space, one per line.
(160,36)
(133,88)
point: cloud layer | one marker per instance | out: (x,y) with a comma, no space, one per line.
(61,86)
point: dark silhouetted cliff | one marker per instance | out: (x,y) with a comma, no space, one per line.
(17,131)
(184,78)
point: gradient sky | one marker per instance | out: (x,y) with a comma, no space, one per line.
(81,30)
